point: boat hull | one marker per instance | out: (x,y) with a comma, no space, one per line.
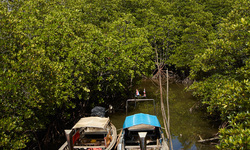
(142,131)
(160,143)
(94,143)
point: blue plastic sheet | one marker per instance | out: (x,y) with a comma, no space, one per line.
(141,118)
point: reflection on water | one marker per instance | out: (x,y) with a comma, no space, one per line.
(185,125)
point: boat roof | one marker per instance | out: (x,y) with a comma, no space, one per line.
(139,119)
(95,122)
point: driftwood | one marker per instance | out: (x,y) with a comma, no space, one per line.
(213,138)
(208,140)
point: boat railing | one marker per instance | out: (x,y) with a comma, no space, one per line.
(138,100)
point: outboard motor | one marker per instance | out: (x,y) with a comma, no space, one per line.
(98,111)
(142,136)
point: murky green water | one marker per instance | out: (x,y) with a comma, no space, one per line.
(185,125)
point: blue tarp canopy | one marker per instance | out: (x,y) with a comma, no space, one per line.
(141,118)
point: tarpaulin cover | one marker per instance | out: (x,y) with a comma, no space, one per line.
(96,122)
(98,111)
(141,118)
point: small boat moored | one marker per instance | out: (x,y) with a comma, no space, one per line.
(142,131)
(91,133)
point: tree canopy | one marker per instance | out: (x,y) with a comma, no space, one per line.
(59,54)
(225,88)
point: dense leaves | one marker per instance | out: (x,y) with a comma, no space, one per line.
(57,55)
(53,55)
(226,88)
(194,28)
(36,64)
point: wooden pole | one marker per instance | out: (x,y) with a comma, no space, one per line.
(118,139)
(170,139)
(162,103)
(162,107)
(168,102)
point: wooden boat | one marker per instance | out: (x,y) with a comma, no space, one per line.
(91,133)
(142,131)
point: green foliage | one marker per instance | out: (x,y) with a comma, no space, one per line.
(193,29)
(223,94)
(236,136)
(54,57)
(58,54)
(225,64)
(219,9)
(37,68)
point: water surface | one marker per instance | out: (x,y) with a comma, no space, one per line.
(186,122)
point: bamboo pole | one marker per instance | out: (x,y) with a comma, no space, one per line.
(118,139)
(162,103)
(162,108)
(170,139)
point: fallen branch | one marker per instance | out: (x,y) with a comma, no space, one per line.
(208,140)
